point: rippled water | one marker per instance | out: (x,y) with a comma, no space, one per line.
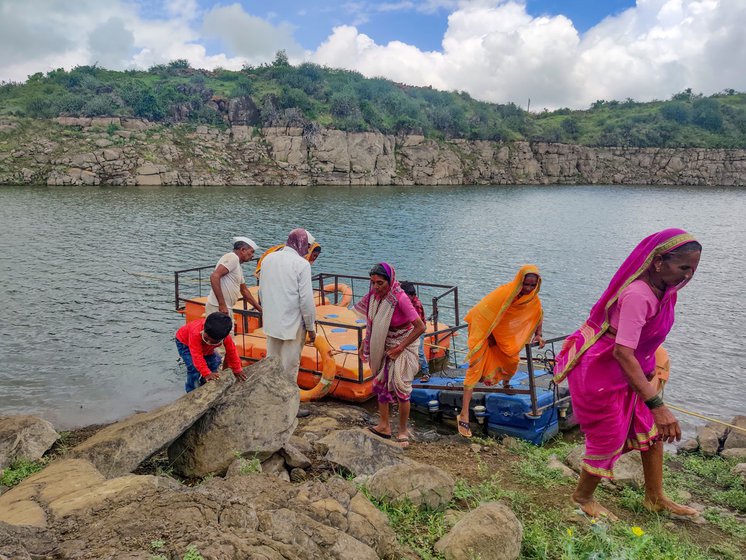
(87,289)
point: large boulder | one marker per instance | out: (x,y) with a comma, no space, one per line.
(121,447)
(423,485)
(256,417)
(737,438)
(359,451)
(24,438)
(490,532)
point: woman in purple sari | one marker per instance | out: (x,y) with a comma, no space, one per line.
(610,363)
(392,337)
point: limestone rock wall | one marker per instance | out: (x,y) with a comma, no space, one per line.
(119,151)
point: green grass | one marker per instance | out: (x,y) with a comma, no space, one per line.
(19,471)
(710,477)
(726,523)
(417,528)
(248,466)
(550,534)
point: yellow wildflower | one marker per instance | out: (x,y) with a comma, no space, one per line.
(569,532)
(637,531)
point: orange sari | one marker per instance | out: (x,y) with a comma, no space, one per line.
(499,326)
(662,366)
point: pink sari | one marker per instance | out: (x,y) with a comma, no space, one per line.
(393,378)
(612,417)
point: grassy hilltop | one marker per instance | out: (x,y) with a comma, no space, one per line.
(283,95)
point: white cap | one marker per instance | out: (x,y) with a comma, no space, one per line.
(246,240)
(311,238)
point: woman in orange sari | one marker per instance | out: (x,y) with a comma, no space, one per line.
(500,325)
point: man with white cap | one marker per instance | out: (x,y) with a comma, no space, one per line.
(227,280)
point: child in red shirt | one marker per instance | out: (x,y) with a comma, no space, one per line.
(196,343)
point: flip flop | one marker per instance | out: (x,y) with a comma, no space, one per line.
(464,429)
(379,434)
(425,378)
(403,441)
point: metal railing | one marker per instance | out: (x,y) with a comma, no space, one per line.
(545,357)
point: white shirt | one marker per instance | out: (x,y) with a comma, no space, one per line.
(286,294)
(230,283)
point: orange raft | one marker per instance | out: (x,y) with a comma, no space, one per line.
(339,333)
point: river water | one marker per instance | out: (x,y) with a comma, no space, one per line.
(87,273)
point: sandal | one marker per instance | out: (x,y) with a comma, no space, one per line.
(425,378)
(379,434)
(403,441)
(464,429)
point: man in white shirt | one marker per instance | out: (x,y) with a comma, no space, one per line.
(287,297)
(227,280)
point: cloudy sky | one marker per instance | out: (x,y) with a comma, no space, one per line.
(558,53)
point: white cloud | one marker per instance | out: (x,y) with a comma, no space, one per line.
(111,43)
(41,35)
(492,49)
(496,51)
(250,37)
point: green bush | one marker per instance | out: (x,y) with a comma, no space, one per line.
(100,105)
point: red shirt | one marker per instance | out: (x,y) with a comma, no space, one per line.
(191,335)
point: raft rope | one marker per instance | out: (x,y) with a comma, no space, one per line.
(703,417)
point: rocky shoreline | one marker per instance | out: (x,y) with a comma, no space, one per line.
(119,151)
(227,471)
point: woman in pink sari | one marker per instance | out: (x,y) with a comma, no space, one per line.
(610,367)
(391,345)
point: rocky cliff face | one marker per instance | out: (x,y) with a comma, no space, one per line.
(119,151)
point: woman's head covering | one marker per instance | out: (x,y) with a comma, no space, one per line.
(632,268)
(311,238)
(384,270)
(506,299)
(298,241)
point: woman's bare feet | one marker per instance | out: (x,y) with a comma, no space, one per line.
(664,504)
(593,509)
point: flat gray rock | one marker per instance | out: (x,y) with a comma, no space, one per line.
(736,438)
(490,532)
(423,485)
(359,451)
(24,438)
(710,437)
(735,453)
